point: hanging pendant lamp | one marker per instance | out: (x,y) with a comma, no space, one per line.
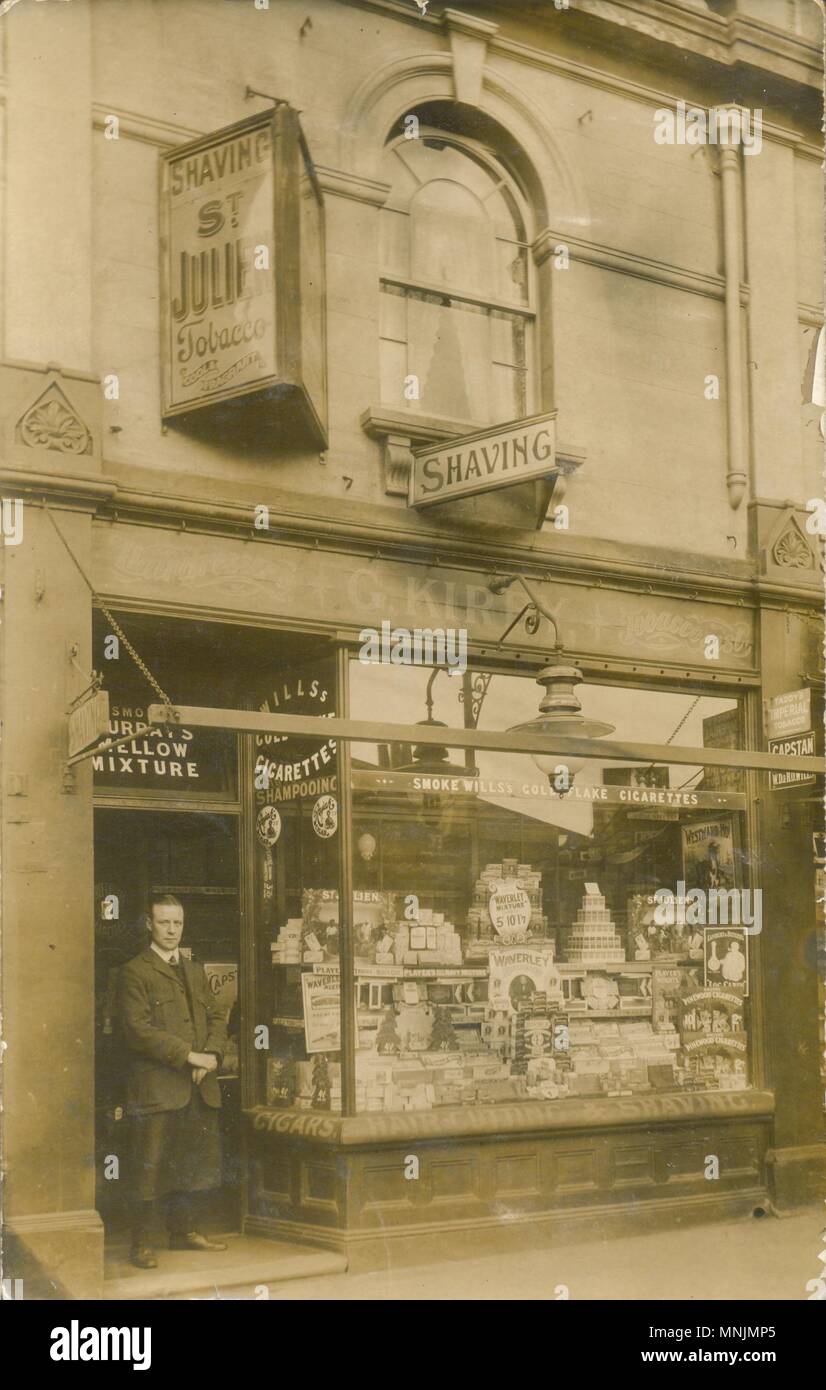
(560,713)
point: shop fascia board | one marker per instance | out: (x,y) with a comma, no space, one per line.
(417,542)
(720,578)
(406,543)
(366,731)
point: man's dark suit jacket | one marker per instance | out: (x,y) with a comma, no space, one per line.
(159,1034)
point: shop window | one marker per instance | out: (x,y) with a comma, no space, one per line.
(292,791)
(516,930)
(819,841)
(162,764)
(456,299)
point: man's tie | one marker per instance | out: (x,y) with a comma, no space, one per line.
(177,966)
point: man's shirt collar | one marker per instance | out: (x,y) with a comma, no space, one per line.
(168,956)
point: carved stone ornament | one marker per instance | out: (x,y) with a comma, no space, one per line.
(791,550)
(51,423)
(398,461)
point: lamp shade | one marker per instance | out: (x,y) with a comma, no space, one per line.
(366,846)
(430,758)
(550,762)
(560,711)
(564,726)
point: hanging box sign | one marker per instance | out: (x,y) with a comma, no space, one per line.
(790,713)
(243,300)
(89,722)
(799,746)
(485,461)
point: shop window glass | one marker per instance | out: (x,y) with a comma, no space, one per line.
(455,289)
(293,788)
(509,945)
(161,763)
(820,940)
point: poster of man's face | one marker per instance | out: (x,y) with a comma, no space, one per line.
(522,989)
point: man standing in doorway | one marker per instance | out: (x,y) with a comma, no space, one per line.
(175,1035)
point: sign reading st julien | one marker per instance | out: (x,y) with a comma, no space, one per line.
(221,300)
(242,258)
(492,458)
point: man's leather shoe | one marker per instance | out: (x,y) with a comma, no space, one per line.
(193,1240)
(143,1256)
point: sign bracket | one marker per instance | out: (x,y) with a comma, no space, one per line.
(110,744)
(545,490)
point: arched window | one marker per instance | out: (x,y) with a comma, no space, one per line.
(456,286)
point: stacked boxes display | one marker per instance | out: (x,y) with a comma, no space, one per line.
(607,1057)
(480,927)
(286,949)
(593,938)
(427,940)
(433,1079)
(497,1032)
(545,1079)
(532,1031)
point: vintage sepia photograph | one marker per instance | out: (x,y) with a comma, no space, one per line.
(412,425)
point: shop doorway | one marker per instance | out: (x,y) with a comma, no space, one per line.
(195,856)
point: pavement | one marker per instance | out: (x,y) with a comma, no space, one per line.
(743,1259)
(244,1270)
(752,1258)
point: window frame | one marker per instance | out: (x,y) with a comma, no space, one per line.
(507,664)
(527,312)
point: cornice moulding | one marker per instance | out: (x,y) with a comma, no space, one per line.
(715,38)
(619,86)
(45,368)
(163,134)
(745,31)
(53,486)
(398,9)
(344,185)
(780,504)
(379,420)
(658,18)
(166,135)
(468,24)
(681,25)
(642,267)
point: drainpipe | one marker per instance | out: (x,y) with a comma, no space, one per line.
(736,477)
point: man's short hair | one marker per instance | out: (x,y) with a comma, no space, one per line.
(164,900)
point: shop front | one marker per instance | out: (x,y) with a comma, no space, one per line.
(418,467)
(565,987)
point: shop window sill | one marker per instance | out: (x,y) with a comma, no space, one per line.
(598,1112)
